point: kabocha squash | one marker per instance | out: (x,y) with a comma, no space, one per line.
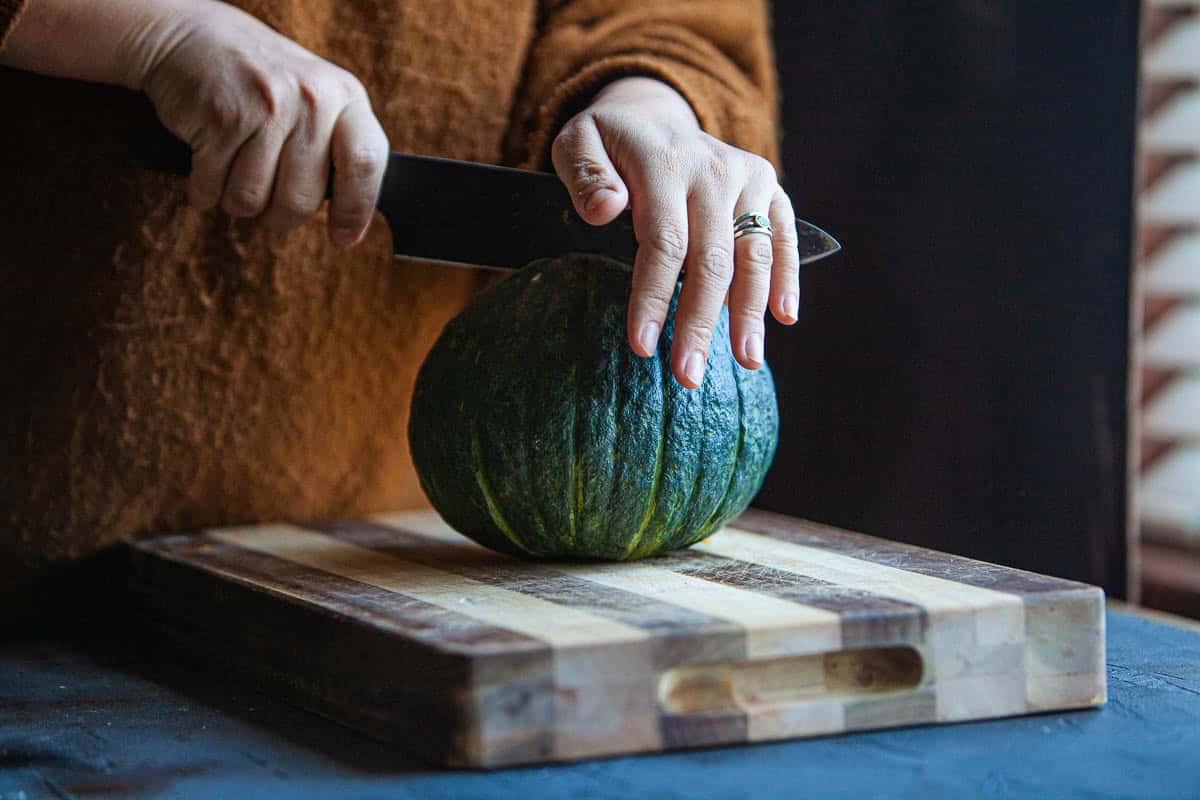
(538,432)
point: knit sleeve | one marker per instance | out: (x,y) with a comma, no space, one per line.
(10,10)
(716,53)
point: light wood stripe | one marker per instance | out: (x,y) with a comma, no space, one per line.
(976,638)
(406,616)
(906,557)
(932,593)
(929,592)
(557,625)
(771,623)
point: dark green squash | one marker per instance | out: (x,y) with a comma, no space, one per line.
(538,432)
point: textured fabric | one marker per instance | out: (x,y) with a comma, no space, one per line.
(10,10)
(172,369)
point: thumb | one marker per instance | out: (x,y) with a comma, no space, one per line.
(583,165)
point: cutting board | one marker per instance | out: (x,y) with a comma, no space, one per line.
(772,628)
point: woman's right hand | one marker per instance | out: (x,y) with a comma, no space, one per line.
(264,118)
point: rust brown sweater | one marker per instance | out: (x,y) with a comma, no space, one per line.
(170,369)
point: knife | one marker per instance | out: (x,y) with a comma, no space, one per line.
(477,215)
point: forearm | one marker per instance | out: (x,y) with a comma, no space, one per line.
(715,53)
(105,41)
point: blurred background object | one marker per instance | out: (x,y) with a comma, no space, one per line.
(960,376)
(1169,272)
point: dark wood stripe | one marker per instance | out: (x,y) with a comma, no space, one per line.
(340,661)
(360,602)
(680,635)
(866,618)
(901,556)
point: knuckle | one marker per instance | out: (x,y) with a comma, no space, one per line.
(763,170)
(654,298)
(715,263)
(224,113)
(349,86)
(759,253)
(669,243)
(715,168)
(698,332)
(587,174)
(243,201)
(750,315)
(674,161)
(274,94)
(313,90)
(362,163)
(785,236)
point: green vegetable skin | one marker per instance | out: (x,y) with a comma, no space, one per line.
(538,432)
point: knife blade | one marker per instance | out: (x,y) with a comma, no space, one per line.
(479,215)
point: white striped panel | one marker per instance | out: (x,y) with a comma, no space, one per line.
(1176,54)
(1174,341)
(1176,127)
(1175,198)
(558,626)
(1174,271)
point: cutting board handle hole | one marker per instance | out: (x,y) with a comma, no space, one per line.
(777,682)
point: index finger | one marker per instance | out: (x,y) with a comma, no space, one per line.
(360,150)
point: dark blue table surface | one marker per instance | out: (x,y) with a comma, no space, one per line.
(80,719)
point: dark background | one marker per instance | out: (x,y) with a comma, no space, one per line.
(958,377)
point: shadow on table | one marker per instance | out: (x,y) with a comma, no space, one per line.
(91,703)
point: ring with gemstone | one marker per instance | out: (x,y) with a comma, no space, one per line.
(751,222)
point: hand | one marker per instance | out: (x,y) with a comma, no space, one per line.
(639,144)
(263,117)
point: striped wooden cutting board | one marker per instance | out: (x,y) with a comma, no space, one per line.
(771,628)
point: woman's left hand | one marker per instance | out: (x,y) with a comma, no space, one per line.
(639,145)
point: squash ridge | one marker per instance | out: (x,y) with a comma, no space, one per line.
(656,482)
(733,468)
(489,500)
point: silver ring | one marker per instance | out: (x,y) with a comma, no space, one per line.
(751,222)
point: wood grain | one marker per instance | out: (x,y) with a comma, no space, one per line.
(771,628)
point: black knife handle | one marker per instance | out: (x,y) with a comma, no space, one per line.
(158,150)
(155,148)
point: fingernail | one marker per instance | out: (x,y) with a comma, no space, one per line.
(648,337)
(694,367)
(754,347)
(791,305)
(596,198)
(344,237)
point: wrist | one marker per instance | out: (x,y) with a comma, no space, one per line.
(114,42)
(654,96)
(151,32)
